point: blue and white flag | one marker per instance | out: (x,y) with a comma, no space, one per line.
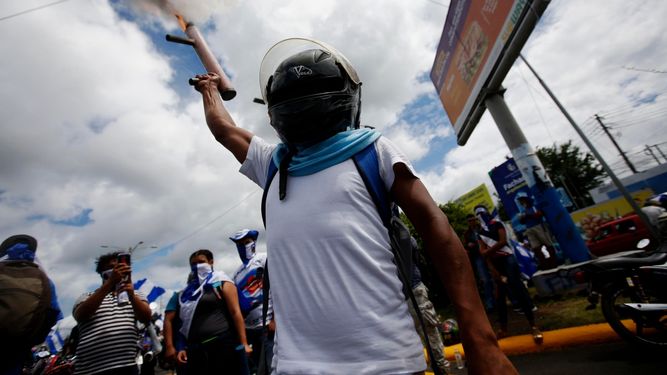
(526,260)
(54,341)
(150,290)
(59,333)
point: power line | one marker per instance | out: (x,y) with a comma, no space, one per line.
(632,107)
(644,70)
(638,113)
(530,92)
(215,219)
(437,3)
(32,10)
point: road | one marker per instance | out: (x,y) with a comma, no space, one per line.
(616,358)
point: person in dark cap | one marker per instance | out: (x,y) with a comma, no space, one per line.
(28,302)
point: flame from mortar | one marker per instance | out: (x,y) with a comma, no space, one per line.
(197,11)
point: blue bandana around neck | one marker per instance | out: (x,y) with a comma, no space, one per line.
(331,151)
(21,251)
(194,285)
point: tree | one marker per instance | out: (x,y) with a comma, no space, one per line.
(572,169)
(457,218)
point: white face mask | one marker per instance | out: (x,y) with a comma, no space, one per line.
(250,250)
(203,270)
(106,274)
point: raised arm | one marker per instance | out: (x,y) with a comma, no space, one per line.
(87,308)
(451,261)
(220,122)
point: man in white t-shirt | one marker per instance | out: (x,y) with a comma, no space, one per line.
(338,303)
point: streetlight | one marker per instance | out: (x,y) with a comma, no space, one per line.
(130,249)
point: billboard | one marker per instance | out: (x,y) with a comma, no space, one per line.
(589,219)
(478,195)
(473,41)
(508,181)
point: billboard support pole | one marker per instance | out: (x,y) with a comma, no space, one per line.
(546,196)
(619,185)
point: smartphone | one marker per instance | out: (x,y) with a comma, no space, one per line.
(124,258)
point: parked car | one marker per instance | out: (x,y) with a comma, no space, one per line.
(620,235)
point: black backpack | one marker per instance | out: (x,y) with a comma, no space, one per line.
(26,315)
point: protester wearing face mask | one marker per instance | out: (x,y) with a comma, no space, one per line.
(108,331)
(211,321)
(248,280)
(493,246)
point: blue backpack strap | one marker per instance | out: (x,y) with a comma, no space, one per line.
(270,174)
(368,165)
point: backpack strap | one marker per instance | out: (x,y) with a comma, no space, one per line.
(270,174)
(368,165)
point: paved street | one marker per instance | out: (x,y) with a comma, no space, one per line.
(615,358)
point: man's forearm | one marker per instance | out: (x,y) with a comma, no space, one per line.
(86,309)
(167,332)
(222,126)
(455,272)
(142,310)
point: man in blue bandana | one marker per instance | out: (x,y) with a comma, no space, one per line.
(338,302)
(248,280)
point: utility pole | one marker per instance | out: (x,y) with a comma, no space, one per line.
(619,185)
(606,130)
(657,147)
(648,151)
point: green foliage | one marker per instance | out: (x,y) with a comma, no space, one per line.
(456,214)
(457,218)
(575,170)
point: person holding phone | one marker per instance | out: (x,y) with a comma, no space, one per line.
(108,330)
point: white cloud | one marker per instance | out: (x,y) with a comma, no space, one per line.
(91,120)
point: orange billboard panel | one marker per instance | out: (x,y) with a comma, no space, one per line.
(472,41)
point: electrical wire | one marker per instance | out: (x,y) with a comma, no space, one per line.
(648,112)
(631,107)
(437,3)
(539,112)
(191,234)
(32,10)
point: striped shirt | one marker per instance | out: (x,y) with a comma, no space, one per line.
(109,338)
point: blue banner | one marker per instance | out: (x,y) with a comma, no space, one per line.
(509,183)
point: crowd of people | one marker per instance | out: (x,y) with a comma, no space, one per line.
(337,305)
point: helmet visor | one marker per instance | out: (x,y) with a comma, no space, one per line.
(289,47)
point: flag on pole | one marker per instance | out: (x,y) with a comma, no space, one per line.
(147,288)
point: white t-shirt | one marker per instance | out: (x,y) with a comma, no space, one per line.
(338,304)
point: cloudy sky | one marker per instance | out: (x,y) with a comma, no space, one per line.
(104,143)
